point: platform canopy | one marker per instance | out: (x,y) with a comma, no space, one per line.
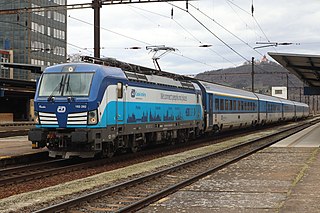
(34,68)
(305,67)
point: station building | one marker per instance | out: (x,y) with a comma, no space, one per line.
(34,38)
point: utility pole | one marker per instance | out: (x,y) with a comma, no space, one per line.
(252,74)
(287,86)
(96,5)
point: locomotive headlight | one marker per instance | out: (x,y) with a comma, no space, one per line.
(92,117)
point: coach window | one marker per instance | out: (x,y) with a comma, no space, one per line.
(120,90)
(234,105)
(217,104)
(227,105)
(231,104)
(221,104)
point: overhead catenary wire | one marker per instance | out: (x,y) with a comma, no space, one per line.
(187,31)
(247,25)
(146,43)
(195,60)
(243,57)
(250,14)
(220,25)
(111,31)
(254,18)
(204,26)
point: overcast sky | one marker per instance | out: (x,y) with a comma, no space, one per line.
(227,25)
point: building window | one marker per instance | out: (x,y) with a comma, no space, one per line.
(278,92)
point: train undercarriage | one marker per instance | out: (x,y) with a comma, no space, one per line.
(89,143)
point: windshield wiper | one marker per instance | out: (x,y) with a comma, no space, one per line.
(57,88)
(69,90)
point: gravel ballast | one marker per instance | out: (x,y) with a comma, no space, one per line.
(16,202)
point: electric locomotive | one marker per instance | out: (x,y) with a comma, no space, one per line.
(88,109)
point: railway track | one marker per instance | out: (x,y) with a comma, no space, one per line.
(142,191)
(35,171)
(47,169)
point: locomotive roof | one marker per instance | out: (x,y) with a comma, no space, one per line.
(120,74)
(86,67)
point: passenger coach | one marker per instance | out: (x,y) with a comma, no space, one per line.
(228,108)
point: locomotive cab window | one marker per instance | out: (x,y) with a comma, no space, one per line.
(65,84)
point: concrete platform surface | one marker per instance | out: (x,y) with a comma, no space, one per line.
(309,137)
(272,180)
(16,146)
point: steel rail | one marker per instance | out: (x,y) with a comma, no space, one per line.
(133,206)
(34,171)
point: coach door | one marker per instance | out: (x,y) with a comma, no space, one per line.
(210,110)
(120,103)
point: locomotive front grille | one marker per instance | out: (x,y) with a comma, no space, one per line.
(48,118)
(77,118)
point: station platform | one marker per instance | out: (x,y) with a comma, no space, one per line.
(18,149)
(281,178)
(309,137)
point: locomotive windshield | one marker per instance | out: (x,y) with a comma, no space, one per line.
(65,84)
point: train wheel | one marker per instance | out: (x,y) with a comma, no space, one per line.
(108,150)
(134,142)
(173,141)
(183,136)
(134,149)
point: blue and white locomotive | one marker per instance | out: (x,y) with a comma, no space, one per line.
(86,109)
(89,109)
